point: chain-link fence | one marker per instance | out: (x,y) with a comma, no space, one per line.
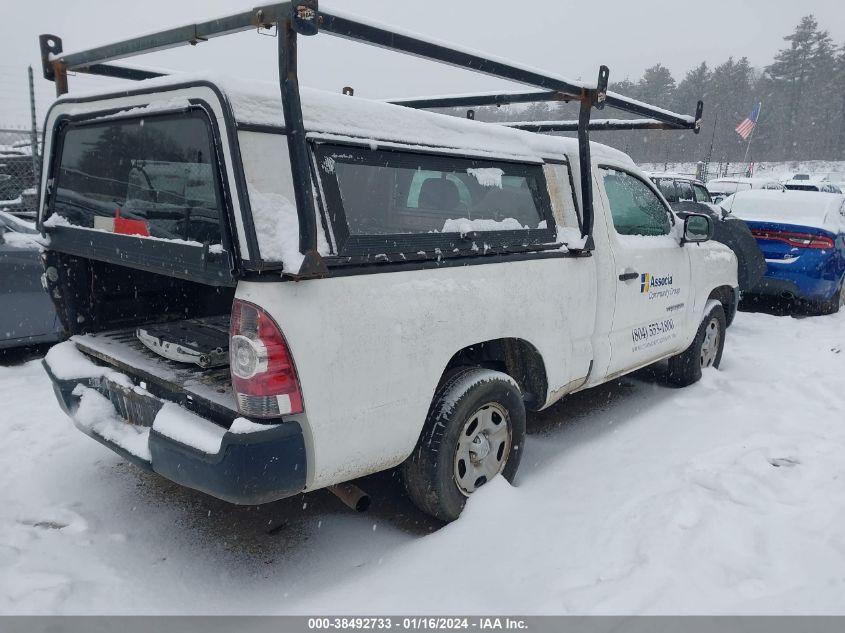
(17,171)
(20,162)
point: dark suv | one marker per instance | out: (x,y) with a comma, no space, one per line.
(680,188)
(687,194)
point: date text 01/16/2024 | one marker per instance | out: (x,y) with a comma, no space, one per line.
(416,623)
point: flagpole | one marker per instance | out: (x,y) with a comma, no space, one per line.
(751,136)
(710,151)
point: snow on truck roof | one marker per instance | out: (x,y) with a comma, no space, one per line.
(819,210)
(342,116)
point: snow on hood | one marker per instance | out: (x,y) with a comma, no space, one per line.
(801,208)
(259,102)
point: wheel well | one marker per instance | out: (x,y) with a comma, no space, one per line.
(726,296)
(514,356)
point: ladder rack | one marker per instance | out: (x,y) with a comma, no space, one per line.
(305,17)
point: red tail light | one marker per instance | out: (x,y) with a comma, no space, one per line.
(801,240)
(263,374)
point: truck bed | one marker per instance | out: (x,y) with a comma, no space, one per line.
(175,381)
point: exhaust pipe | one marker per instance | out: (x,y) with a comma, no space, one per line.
(352,496)
(787,295)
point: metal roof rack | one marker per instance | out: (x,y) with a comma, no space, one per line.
(305,18)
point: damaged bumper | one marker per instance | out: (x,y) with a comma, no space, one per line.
(246,464)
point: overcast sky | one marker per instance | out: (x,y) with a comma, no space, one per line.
(565,37)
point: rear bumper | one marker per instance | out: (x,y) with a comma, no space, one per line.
(781,281)
(808,274)
(244,468)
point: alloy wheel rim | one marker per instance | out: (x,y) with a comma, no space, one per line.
(710,345)
(483,447)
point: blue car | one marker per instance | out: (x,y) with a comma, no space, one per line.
(802,236)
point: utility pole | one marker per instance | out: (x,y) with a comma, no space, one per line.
(710,151)
(33,137)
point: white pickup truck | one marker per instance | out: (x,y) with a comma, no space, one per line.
(458,279)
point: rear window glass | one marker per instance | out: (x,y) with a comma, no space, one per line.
(685,192)
(391,193)
(667,188)
(701,194)
(152,177)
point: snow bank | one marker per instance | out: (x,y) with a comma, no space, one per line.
(487,176)
(277,228)
(188,428)
(68,363)
(24,240)
(242,425)
(463,225)
(164,105)
(96,414)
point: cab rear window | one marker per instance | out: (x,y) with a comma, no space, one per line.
(150,177)
(390,201)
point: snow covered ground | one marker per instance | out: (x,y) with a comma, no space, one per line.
(725,497)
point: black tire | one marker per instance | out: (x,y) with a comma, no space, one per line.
(431,473)
(685,368)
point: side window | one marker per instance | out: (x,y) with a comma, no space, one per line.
(685,193)
(701,194)
(667,188)
(635,208)
(387,201)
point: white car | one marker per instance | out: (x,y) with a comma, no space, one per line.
(811,185)
(721,188)
(459,280)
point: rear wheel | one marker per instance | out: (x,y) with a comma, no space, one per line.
(705,350)
(474,431)
(832,305)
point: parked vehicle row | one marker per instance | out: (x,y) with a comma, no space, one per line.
(787,239)
(721,188)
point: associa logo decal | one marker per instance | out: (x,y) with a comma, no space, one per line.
(657,287)
(649,281)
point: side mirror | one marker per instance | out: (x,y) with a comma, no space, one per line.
(698,227)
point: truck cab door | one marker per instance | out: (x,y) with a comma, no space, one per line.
(652,273)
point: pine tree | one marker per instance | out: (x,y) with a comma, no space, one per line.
(838,84)
(657,86)
(790,72)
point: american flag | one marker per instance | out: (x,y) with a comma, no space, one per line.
(744,129)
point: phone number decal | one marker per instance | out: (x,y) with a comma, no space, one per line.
(646,332)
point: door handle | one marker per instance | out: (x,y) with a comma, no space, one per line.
(629,276)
